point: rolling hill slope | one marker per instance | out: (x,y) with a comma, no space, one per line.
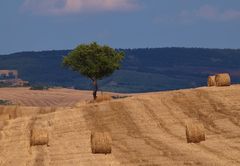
(147,129)
(55,97)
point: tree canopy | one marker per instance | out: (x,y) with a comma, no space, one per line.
(94,61)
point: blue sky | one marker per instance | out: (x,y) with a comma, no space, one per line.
(27,25)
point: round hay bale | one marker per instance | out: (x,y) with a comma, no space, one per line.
(39,137)
(211,81)
(195,132)
(223,79)
(101,142)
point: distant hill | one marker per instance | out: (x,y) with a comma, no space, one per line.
(143,70)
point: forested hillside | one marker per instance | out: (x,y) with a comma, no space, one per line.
(142,69)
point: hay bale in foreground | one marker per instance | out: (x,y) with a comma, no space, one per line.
(223,79)
(4,117)
(211,81)
(101,142)
(39,137)
(195,132)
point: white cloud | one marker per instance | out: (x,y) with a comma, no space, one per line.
(207,12)
(231,15)
(211,13)
(77,6)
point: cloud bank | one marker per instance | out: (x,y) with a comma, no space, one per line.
(202,13)
(211,13)
(60,7)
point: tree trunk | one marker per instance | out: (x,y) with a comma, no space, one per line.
(95,89)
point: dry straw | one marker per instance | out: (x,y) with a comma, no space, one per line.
(195,132)
(12,111)
(211,81)
(3,121)
(39,137)
(101,142)
(4,117)
(46,110)
(223,79)
(103,97)
(1,109)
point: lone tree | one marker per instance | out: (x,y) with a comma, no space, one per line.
(94,61)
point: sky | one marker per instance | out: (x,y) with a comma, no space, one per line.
(35,25)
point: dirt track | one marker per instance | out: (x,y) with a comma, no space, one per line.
(147,129)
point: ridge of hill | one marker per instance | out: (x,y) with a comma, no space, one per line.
(53,97)
(147,129)
(143,70)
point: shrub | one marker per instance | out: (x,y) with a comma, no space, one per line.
(5,102)
(38,87)
(119,97)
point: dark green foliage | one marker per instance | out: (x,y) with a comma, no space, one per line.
(39,87)
(93,61)
(119,97)
(3,85)
(5,102)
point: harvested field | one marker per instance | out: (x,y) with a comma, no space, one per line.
(147,129)
(52,97)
